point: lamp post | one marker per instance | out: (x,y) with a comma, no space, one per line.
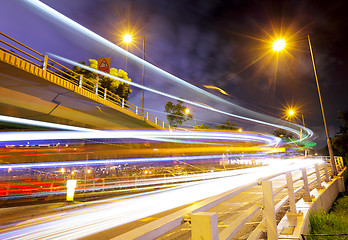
(128,39)
(280,45)
(333,165)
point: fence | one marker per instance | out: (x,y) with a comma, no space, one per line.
(22,56)
(204,225)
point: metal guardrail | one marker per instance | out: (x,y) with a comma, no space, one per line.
(196,213)
(39,60)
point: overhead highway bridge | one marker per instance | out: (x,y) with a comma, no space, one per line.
(34,87)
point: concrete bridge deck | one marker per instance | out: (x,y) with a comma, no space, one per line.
(27,91)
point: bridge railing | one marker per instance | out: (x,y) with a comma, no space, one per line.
(306,179)
(29,55)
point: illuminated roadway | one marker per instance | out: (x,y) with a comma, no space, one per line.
(115,212)
(39,99)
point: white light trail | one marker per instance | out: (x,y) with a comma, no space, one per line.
(268,140)
(42,124)
(297,132)
(60,19)
(112,213)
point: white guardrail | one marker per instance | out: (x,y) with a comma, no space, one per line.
(204,225)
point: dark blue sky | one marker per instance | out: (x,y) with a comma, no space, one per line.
(210,43)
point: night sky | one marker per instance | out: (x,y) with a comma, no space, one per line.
(221,43)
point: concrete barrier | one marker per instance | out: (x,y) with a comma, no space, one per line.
(294,224)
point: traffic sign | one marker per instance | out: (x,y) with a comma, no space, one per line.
(104,65)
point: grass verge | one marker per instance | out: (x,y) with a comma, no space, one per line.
(334,222)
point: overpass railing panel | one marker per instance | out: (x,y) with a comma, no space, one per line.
(23,52)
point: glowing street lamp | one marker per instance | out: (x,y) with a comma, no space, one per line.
(291,112)
(280,45)
(187,111)
(127,38)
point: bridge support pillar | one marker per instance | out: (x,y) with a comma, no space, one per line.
(204,225)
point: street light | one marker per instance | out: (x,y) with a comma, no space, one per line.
(280,45)
(128,39)
(291,112)
(187,111)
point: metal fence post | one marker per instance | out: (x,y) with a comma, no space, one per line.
(96,86)
(105,90)
(340,159)
(156,120)
(163,124)
(317,173)
(204,225)
(45,62)
(291,194)
(122,102)
(268,203)
(305,185)
(339,164)
(147,115)
(80,82)
(336,163)
(136,110)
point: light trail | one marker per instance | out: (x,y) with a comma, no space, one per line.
(268,140)
(115,212)
(297,132)
(110,161)
(30,122)
(58,18)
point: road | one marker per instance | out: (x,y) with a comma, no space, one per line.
(113,212)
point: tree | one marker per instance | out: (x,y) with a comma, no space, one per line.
(282,133)
(176,114)
(202,126)
(227,126)
(119,88)
(340,142)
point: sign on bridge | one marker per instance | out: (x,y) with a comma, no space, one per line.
(104,65)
